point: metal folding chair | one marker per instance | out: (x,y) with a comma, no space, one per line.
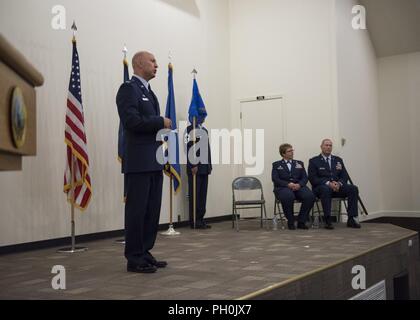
(247,183)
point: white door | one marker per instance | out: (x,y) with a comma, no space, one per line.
(266,114)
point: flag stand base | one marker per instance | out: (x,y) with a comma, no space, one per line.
(72,249)
(170,232)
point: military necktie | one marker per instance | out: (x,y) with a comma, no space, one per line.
(155,102)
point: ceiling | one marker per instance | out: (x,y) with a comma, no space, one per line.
(393,25)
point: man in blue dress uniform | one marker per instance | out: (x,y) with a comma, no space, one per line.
(138,108)
(329,179)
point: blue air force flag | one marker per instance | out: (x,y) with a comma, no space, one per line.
(197,108)
(172,168)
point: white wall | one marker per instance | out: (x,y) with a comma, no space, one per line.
(287,47)
(358,106)
(32,203)
(399,96)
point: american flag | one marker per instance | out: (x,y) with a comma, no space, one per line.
(75,139)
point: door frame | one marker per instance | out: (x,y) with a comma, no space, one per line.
(239,170)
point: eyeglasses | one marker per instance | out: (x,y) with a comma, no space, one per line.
(290,150)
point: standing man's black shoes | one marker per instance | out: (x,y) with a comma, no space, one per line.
(159,264)
(147,268)
(152,261)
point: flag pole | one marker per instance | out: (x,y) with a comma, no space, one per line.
(194,178)
(73,248)
(170,200)
(124,51)
(73,231)
(171,231)
(194,72)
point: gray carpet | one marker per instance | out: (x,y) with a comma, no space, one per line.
(217,263)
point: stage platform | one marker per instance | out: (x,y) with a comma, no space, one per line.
(222,264)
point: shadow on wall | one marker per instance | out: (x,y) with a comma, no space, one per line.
(188,6)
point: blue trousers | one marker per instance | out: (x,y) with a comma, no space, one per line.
(287,198)
(142,213)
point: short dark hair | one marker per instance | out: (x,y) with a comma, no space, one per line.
(283,148)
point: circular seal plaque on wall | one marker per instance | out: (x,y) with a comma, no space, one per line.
(18,117)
